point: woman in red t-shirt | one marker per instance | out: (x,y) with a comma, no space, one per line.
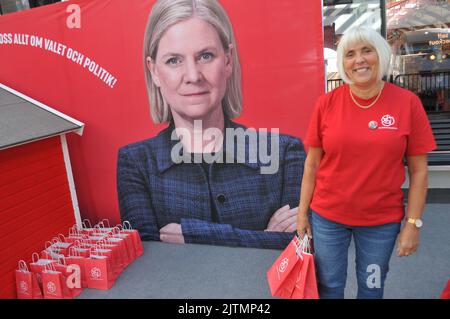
(358,137)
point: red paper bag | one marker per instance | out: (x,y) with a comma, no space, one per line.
(129,245)
(446,292)
(38,265)
(137,242)
(282,275)
(116,257)
(99,274)
(53,283)
(125,258)
(306,285)
(71,278)
(26,283)
(75,258)
(61,244)
(103,251)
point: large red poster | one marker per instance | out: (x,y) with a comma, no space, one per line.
(84,58)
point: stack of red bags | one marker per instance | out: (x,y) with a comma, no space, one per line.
(89,257)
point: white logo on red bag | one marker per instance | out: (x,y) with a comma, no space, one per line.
(283,265)
(387,120)
(96,273)
(23,286)
(51,287)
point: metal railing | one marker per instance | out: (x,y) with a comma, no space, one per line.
(433,88)
(334,83)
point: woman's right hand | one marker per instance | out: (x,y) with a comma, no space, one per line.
(303,225)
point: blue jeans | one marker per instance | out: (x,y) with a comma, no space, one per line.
(373,245)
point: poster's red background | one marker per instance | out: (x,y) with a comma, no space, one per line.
(281,50)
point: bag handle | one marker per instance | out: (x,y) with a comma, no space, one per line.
(302,245)
(127,225)
(96,250)
(305,244)
(33,259)
(52,254)
(107,223)
(23,266)
(97,230)
(298,246)
(76,243)
(84,241)
(86,222)
(101,242)
(62,238)
(46,245)
(105,241)
(73,252)
(115,230)
(75,231)
(50,266)
(63,258)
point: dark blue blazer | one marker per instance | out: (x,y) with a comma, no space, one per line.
(154,191)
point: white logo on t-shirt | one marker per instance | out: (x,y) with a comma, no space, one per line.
(387,122)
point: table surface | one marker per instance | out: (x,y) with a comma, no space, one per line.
(171,271)
(202,271)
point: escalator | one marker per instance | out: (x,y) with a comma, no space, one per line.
(440,124)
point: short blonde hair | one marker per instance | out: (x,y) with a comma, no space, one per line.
(166,13)
(364,35)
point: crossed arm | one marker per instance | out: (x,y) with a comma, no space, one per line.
(136,207)
(283,220)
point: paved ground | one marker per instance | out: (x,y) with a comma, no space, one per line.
(424,274)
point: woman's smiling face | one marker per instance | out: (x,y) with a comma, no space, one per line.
(361,64)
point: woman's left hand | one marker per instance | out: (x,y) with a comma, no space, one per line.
(408,240)
(171,233)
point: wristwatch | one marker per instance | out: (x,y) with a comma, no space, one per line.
(417,222)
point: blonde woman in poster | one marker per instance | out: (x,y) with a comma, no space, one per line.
(203,179)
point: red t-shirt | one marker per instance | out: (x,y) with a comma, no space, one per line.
(362,170)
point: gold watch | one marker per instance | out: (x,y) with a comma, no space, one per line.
(417,222)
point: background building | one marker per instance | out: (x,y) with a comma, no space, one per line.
(9,6)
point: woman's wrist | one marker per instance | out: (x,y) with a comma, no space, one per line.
(302,212)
